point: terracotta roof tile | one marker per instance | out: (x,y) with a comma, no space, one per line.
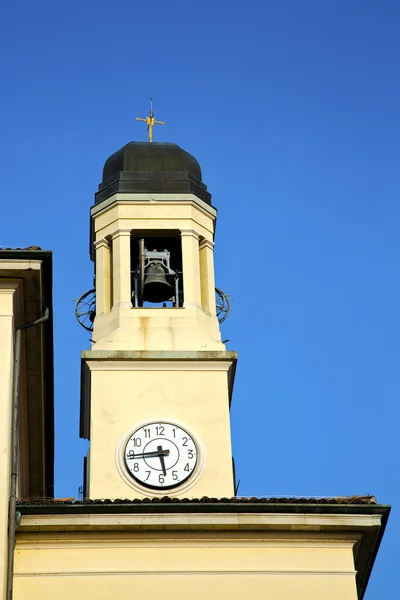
(28,249)
(204,500)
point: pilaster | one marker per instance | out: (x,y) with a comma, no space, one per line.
(207,281)
(9,289)
(191,268)
(121,267)
(103,276)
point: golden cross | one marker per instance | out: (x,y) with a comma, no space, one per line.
(150,120)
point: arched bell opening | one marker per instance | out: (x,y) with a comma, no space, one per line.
(156,273)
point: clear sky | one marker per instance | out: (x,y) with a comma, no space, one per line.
(292,109)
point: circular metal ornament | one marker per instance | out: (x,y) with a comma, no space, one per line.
(223,305)
(85,309)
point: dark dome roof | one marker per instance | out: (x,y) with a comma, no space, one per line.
(145,167)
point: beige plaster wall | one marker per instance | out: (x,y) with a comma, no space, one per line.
(193,565)
(153,211)
(193,394)
(127,328)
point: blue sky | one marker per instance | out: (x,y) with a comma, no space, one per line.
(292,109)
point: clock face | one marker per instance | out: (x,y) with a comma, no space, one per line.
(160,455)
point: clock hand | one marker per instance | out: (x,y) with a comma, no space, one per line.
(162,461)
(152,454)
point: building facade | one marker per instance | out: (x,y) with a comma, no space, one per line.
(25,292)
(159,514)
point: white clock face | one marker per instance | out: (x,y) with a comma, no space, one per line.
(160,455)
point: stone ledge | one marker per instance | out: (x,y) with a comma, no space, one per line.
(202,355)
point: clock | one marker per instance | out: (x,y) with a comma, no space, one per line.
(160,455)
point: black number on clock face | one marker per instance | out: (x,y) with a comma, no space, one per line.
(161,455)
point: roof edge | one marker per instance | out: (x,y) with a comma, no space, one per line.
(176,505)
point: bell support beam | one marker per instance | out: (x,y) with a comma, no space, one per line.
(190,268)
(103,276)
(121,266)
(207,280)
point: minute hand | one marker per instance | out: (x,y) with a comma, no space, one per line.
(162,461)
(154,454)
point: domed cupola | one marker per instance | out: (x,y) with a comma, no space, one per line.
(159,168)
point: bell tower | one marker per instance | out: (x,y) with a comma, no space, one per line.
(157,383)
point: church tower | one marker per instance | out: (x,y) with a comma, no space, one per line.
(159,516)
(157,383)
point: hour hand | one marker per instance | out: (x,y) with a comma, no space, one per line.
(152,454)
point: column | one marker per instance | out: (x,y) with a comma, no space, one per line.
(207,281)
(103,276)
(121,268)
(190,268)
(8,320)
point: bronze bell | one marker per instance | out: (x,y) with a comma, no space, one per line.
(156,286)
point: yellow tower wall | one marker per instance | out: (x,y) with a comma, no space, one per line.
(130,389)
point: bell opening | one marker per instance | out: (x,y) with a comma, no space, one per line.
(156,259)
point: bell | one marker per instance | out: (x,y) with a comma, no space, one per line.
(156,286)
